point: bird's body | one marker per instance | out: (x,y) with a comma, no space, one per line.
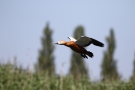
(78,45)
(75,47)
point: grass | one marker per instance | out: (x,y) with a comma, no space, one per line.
(12,78)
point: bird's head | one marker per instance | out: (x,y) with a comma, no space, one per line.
(62,42)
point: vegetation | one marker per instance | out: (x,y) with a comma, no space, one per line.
(109,68)
(46,59)
(133,76)
(13,78)
(78,68)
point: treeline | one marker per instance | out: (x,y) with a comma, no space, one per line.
(78,69)
(44,77)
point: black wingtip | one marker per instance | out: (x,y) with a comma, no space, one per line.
(102,45)
(97,43)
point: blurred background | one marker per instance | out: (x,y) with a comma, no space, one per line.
(24,26)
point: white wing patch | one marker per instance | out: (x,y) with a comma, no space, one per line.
(72,39)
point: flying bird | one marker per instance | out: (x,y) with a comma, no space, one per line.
(80,44)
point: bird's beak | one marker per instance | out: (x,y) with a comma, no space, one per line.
(56,43)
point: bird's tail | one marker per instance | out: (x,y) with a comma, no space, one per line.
(97,43)
(90,54)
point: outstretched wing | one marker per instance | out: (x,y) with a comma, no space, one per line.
(86,41)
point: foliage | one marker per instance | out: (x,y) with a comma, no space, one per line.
(78,68)
(46,58)
(133,76)
(109,68)
(13,78)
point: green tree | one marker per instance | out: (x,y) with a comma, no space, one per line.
(109,68)
(133,76)
(46,59)
(78,68)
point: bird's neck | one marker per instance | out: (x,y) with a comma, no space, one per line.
(69,44)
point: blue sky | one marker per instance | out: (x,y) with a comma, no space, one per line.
(22,23)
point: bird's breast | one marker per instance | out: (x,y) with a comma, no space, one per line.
(76,47)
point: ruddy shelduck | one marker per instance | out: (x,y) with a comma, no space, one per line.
(78,45)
